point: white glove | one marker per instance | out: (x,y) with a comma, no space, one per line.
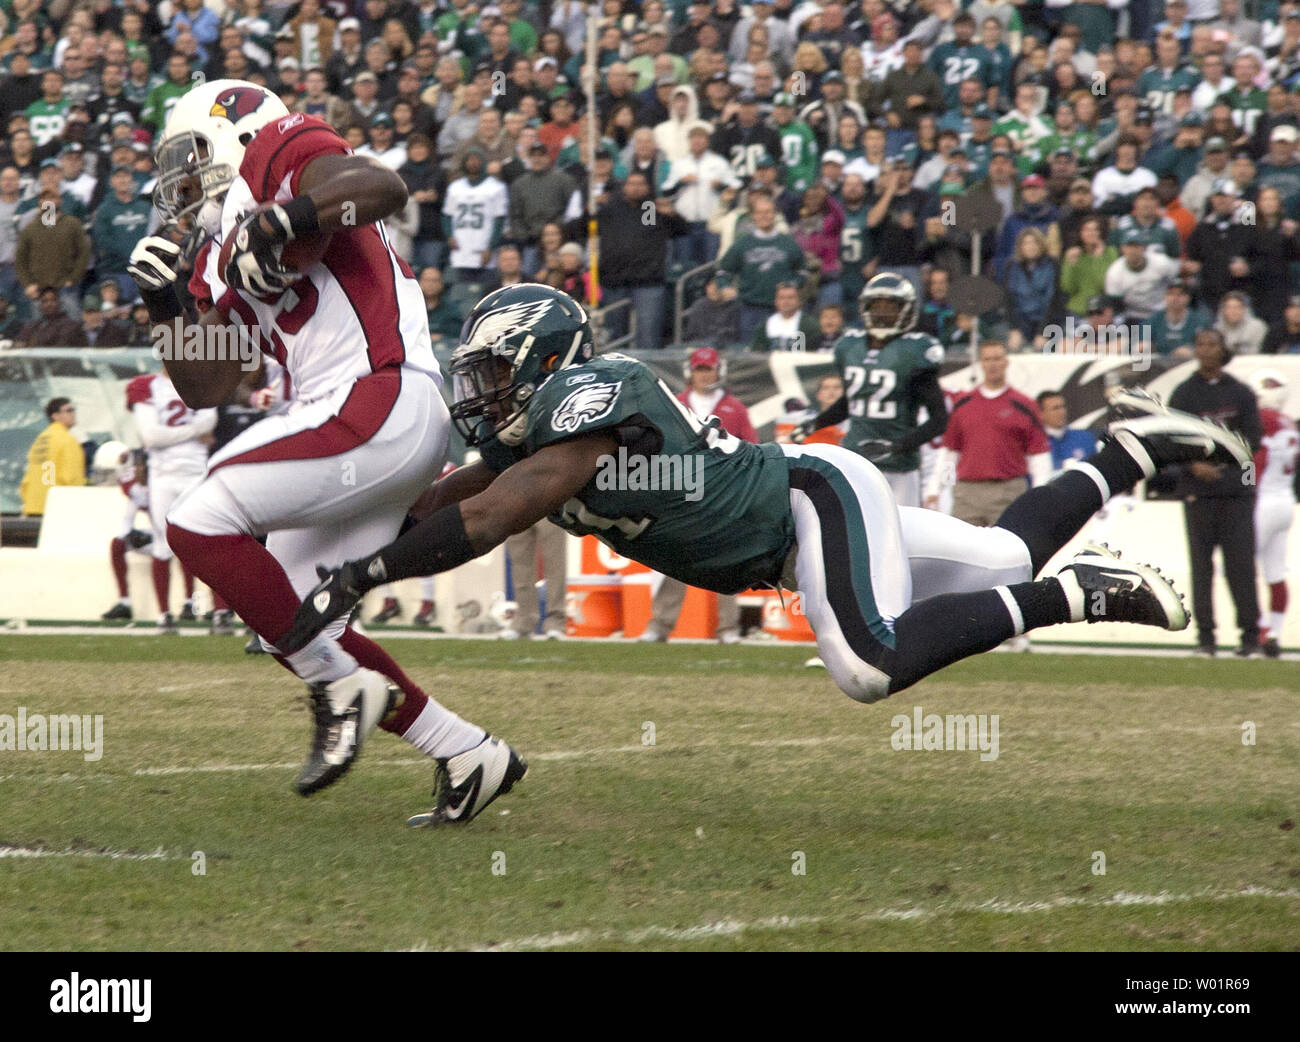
(154,263)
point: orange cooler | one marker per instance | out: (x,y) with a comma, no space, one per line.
(593,605)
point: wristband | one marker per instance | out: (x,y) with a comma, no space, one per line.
(163,304)
(437,544)
(294,219)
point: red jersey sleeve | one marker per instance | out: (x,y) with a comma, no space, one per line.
(198,285)
(281,150)
(139,391)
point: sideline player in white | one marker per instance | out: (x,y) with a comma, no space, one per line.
(176,440)
(1275,464)
(116,463)
(473,218)
(365,434)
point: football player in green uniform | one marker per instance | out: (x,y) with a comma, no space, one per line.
(602,447)
(890,373)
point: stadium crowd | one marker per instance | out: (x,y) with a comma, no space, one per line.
(1142,156)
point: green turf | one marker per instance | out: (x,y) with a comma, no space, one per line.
(688,843)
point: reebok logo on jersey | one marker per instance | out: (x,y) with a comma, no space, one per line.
(581,378)
(584,406)
(289,122)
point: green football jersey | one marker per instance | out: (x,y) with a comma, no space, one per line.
(879,386)
(46,121)
(1157,86)
(798,154)
(856,250)
(681,495)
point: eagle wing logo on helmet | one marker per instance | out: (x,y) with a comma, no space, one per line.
(585,405)
(492,329)
(237,103)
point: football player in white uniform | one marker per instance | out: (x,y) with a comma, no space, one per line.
(115,463)
(1275,463)
(176,440)
(367,428)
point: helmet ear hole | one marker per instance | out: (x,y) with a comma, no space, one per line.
(244,139)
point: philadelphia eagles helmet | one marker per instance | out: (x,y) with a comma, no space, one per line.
(880,318)
(510,345)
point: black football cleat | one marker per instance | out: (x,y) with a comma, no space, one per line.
(1114,591)
(345,712)
(1271,648)
(187,612)
(468,782)
(118,611)
(387,612)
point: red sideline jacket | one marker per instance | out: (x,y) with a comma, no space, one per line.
(732,412)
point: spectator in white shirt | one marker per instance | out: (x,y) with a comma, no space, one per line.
(381,144)
(695,184)
(1243,333)
(1117,184)
(1139,278)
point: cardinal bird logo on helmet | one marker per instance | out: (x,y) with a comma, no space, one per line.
(237,103)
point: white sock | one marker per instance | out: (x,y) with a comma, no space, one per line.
(438,732)
(322,660)
(1275,624)
(124,602)
(1073,594)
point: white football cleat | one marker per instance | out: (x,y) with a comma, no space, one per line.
(345,712)
(1156,436)
(469,781)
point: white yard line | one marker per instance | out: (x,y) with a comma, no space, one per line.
(24,853)
(734,928)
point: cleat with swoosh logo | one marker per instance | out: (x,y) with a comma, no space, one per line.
(345,712)
(468,782)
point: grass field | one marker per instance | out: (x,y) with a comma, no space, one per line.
(691,842)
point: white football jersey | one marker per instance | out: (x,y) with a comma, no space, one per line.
(357,311)
(1275,460)
(472,209)
(169,429)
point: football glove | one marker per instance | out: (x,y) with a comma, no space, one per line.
(137,539)
(875,449)
(334,597)
(154,263)
(255,263)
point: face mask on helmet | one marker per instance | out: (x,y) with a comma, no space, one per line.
(190,184)
(510,345)
(889,307)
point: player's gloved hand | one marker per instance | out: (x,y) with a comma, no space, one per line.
(154,263)
(255,263)
(800,434)
(137,539)
(876,449)
(334,596)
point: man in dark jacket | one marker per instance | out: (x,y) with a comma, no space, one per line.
(427,184)
(1220,502)
(634,235)
(537,198)
(54,328)
(1219,246)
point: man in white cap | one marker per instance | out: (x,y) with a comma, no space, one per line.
(1279,168)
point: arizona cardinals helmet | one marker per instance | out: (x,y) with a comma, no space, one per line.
(888,286)
(509,346)
(202,147)
(1269,386)
(110,459)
